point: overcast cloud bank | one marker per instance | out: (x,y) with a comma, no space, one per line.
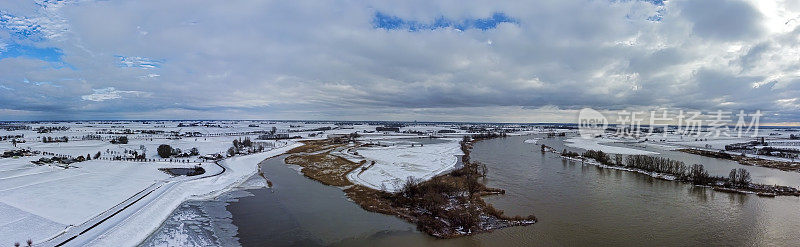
(534,61)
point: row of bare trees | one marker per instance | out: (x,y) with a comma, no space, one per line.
(695,173)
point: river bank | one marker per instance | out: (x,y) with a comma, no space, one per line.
(446,206)
(575,205)
(667,169)
(745,160)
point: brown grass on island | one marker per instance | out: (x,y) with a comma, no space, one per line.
(319,164)
(446,206)
(324,167)
(748,161)
(313,146)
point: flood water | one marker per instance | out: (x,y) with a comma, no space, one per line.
(587,205)
(298,211)
(576,204)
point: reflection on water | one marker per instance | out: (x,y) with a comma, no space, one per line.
(584,204)
(298,211)
(576,204)
(701,194)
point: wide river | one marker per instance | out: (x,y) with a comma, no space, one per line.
(576,205)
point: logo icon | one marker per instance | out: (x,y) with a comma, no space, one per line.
(591,123)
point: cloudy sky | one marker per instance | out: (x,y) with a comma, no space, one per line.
(538,61)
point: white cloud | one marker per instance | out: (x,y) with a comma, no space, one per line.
(311,60)
(139,62)
(110,93)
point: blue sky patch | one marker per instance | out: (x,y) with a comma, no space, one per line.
(659,16)
(22,34)
(49,54)
(390,22)
(656,2)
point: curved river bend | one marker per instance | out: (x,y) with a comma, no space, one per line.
(576,205)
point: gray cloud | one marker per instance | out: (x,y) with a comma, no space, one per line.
(723,19)
(308,60)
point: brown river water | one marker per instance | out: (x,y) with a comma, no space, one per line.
(576,205)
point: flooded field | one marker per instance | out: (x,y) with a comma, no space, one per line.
(575,204)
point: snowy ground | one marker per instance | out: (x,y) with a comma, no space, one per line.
(394,164)
(45,203)
(38,201)
(595,144)
(137,227)
(106,202)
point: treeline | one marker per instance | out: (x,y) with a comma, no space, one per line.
(246,146)
(8,137)
(738,180)
(166,151)
(482,135)
(115,132)
(49,139)
(712,154)
(695,173)
(91,137)
(119,140)
(564,153)
(779,152)
(48,129)
(11,127)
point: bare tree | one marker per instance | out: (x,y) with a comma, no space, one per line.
(743,177)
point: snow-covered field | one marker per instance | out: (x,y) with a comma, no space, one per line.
(106,202)
(595,144)
(137,227)
(394,164)
(48,204)
(109,202)
(39,201)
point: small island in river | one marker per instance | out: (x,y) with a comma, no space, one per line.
(445,206)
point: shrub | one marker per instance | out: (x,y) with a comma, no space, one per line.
(465,217)
(164,151)
(120,140)
(743,177)
(247,142)
(698,174)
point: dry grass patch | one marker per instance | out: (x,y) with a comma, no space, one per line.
(374,200)
(324,167)
(313,146)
